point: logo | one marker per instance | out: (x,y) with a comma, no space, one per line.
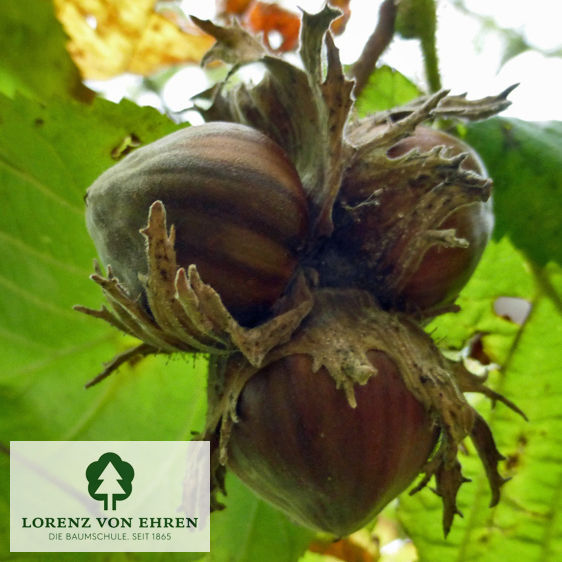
(109,496)
(110,479)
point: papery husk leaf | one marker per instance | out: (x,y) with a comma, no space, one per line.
(449,107)
(305,112)
(184,313)
(483,440)
(234,44)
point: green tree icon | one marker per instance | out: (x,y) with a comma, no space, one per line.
(110,479)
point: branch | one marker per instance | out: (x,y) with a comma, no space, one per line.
(375,46)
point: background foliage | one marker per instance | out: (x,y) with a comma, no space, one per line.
(56,136)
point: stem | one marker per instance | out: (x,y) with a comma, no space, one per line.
(417,19)
(375,46)
(431,62)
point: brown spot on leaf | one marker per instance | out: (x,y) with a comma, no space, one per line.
(512,461)
(477,352)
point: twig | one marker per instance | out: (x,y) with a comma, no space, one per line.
(375,46)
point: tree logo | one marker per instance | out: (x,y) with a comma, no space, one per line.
(110,479)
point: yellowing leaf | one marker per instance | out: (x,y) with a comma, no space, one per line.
(111,37)
(164,43)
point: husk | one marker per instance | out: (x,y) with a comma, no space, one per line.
(337,334)
(187,315)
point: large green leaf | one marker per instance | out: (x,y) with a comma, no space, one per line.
(525,161)
(49,153)
(250,530)
(34,60)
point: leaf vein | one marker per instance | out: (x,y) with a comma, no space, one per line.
(47,258)
(40,186)
(35,300)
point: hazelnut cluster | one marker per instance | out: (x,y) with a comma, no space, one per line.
(303,250)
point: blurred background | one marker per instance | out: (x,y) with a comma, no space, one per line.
(483,47)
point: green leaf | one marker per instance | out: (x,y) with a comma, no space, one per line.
(34,59)
(386,88)
(48,156)
(250,529)
(525,161)
(526,523)
(502,272)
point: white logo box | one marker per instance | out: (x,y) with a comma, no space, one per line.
(137,496)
